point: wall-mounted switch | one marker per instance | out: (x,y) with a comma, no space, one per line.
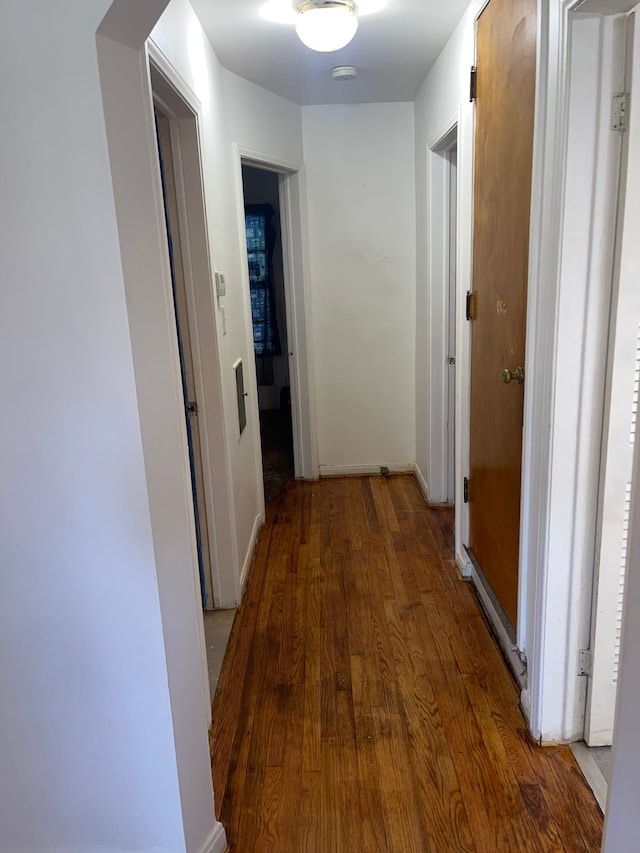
(221,285)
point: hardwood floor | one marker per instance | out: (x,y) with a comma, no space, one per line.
(363,704)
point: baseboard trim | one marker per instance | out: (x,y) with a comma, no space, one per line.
(504,635)
(251,550)
(364,470)
(464,564)
(217,840)
(424,488)
(525,706)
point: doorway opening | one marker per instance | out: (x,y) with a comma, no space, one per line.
(177,147)
(452,163)
(185,351)
(443,305)
(265,259)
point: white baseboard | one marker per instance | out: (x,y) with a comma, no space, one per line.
(251,550)
(424,488)
(216,842)
(464,564)
(525,706)
(505,641)
(364,470)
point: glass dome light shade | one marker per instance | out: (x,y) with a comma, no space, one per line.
(326,28)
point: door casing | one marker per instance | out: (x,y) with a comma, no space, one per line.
(292,224)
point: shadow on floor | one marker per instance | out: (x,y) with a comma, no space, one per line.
(277,451)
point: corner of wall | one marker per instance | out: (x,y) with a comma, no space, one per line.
(422,482)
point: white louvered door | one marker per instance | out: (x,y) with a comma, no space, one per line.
(612,552)
(620,430)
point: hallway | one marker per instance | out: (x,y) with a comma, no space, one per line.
(363,705)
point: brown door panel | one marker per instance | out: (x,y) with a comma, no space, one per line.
(506,61)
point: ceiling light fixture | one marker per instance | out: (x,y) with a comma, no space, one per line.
(326,25)
(323,25)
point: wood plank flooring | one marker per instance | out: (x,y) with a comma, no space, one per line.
(363,704)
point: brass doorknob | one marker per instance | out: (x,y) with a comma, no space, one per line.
(509,376)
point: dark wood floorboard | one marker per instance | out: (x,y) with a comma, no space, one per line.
(363,704)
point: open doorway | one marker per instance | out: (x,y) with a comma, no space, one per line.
(269,318)
(172,135)
(185,350)
(451,157)
(442,194)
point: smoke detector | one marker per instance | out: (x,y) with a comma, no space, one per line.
(344,72)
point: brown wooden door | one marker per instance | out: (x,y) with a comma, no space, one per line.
(506,62)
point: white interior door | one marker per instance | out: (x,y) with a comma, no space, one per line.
(620,422)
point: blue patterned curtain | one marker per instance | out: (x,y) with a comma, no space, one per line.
(261,238)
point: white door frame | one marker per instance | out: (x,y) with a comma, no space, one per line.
(617,439)
(183,107)
(434,480)
(453,301)
(622,826)
(560,452)
(297,301)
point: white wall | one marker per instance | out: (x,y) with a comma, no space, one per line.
(103,740)
(360,190)
(87,753)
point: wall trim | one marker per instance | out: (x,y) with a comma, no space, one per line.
(251,551)
(424,488)
(267,161)
(217,840)
(464,564)
(365,470)
(525,705)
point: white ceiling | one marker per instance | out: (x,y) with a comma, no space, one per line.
(393,50)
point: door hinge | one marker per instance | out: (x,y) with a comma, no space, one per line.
(584,662)
(619,111)
(192,408)
(473,83)
(471,305)
(465,491)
